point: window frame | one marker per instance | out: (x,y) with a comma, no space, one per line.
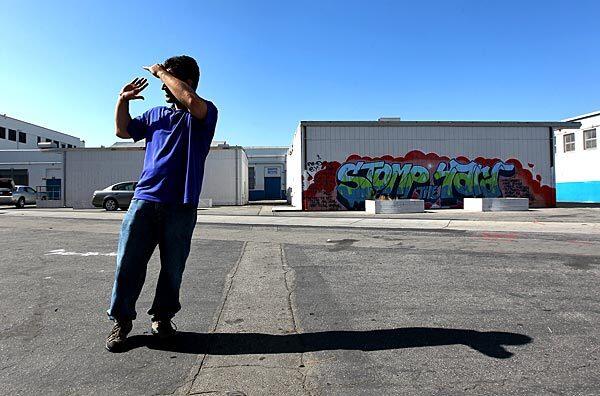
(569,143)
(2,132)
(13,133)
(587,140)
(23,135)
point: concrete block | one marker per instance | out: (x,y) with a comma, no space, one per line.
(496,204)
(49,203)
(393,206)
(205,203)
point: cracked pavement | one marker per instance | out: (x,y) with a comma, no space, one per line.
(306,311)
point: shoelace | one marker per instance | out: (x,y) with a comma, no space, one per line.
(115,331)
(172,323)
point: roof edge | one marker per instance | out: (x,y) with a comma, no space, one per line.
(266,147)
(131,148)
(583,116)
(43,127)
(553,124)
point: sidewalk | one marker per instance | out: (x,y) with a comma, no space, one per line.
(557,220)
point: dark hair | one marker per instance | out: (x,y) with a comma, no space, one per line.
(184,68)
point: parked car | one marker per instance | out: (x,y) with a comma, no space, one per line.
(18,195)
(114,197)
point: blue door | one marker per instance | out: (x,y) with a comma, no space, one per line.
(273,187)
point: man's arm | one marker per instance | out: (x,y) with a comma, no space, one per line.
(181,90)
(129,92)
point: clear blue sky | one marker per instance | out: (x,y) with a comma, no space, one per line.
(269,64)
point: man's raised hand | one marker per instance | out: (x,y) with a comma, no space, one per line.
(154,69)
(131,91)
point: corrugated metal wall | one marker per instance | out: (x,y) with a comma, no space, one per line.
(224,179)
(530,145)
(94,169)
(337,143)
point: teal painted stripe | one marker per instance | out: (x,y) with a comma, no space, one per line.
(578,191)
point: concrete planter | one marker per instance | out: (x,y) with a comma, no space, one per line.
(49,203)
(496,204)
(393,206)
(204,203)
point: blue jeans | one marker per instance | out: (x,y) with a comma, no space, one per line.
(147,224)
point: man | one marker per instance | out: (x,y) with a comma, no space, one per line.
(163,209)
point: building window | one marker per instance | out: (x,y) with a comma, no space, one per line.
(48,140)
(251,178)
(22,137)
(12,135)
(62,145)
(2,133)
(569,142)
(69,146)
(56,144)
(39,139)
(589,139)
(19,176)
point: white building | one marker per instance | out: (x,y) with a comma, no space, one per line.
(40,169)
(266,172)
(578,160)
(17,135)
(337,165)
(70,173)
(22,160)
(90,169)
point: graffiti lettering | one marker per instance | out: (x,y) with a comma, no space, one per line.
(312,167)
(441,182)
(358,181)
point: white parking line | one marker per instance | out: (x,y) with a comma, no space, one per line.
(63,252)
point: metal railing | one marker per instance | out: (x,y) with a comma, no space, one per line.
(50,193)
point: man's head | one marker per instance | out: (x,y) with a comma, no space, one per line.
(184,68)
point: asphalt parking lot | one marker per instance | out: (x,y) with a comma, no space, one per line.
(285,310)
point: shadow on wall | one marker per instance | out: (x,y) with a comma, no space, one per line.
(488,343)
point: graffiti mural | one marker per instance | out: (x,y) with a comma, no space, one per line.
(441,182)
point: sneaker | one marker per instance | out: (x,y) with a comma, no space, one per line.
(163,328)
(118,335)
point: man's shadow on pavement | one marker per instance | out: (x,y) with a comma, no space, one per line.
(488,343)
